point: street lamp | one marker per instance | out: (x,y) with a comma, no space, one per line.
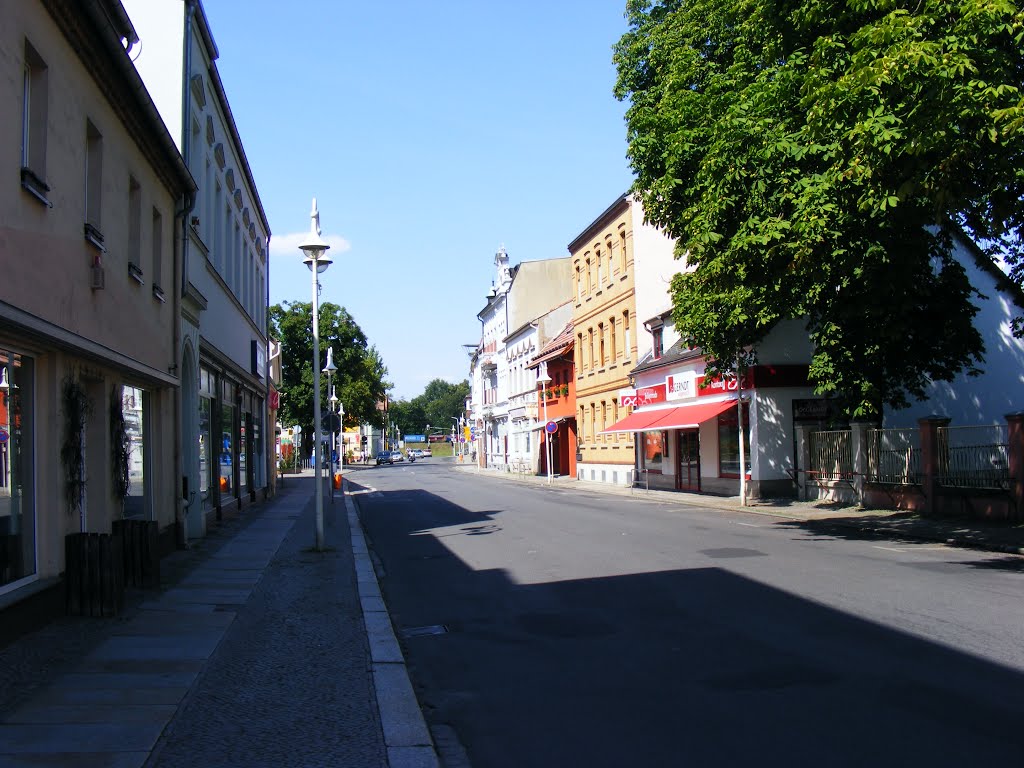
(316,259)
(544,380)
(329,369)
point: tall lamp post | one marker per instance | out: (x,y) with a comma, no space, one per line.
(316,259)
(329,369)
(543,379)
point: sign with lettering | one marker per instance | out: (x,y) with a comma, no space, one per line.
(638,398)
(681,386)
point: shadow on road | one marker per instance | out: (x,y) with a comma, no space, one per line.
(696,666)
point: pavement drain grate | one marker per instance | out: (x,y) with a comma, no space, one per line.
(432,629)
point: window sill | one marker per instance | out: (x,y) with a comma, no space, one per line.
(94,237)
(158,294)
(35,186)
(135,273)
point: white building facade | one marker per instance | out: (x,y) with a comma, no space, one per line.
(225,284)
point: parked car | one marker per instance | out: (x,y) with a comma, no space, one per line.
(425,453)
(389,457)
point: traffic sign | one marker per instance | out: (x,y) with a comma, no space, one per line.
(551,427)
(3,435)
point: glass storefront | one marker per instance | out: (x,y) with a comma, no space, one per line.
(729,443)
(227,442)
(243,446)
(654,451)
(206,391)
(132,410)
(17,482)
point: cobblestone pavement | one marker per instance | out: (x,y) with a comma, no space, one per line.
(290,684)
(258,650)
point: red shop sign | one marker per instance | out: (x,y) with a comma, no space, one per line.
(644,396)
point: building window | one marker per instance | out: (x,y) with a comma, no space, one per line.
(134,221)
(35,100)
(615,418)
(590,277)
(600,271)
(622,250)
(611,343)
(604,418)
(657,337)
(593,421)
(627,349)
(133,412)
(590,345)
(579,284)
(93,176)
(578,353)
(158,253)
(580,420)
(17,468)
(600,343)
(729,443)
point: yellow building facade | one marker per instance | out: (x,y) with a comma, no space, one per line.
(604,318)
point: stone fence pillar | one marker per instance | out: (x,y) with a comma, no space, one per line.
(1015,460)
(803,460)
(930,464)
(859,455)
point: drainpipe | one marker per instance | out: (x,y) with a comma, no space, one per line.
(184,213)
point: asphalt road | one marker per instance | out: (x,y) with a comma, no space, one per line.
(552,627)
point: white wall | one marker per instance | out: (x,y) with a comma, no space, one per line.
(984,399)
(160,25)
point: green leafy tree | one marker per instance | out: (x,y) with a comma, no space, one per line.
(359,381)
(811,158)
(440,401)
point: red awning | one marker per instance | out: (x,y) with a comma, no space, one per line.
(690,416)
(635,422)
(680,417)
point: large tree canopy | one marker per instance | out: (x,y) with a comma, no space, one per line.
(359,380)
(811,158)
(440,402)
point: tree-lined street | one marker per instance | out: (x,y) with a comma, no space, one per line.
(550,626)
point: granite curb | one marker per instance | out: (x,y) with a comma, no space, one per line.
(406,737)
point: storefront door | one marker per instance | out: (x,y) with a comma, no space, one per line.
(688,461)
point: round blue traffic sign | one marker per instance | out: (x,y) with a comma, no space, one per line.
(551,427)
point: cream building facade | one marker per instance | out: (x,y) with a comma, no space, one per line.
(223,335)
(607,345)
(89,373)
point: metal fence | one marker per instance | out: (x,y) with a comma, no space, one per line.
(894,456)
(831,455)
(974,457)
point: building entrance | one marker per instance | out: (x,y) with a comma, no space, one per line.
(688,461)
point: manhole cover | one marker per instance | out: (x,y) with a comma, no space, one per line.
(433,629)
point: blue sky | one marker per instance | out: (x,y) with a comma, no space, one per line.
(431,134)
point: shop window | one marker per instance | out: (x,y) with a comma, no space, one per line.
(729,444)
(205,465)
(133,412)
(654,453)
(17,481)
(227,451)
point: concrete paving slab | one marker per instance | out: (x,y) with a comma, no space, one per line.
(132,680)
(181,645)
(77,760)
(79,737)
(171,618)
(219,596)
(111,696)
(92,713)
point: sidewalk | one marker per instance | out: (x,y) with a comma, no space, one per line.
(258,650)
(816,516)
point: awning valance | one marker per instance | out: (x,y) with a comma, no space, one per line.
(680,417)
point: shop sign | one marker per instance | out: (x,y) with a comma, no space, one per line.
(681,386)
(637,398)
